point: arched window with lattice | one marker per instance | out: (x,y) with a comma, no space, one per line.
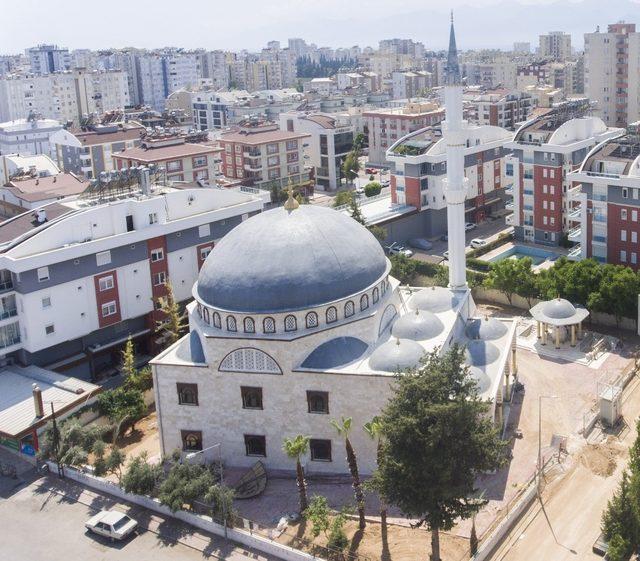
(376,295)
(332,314)
(205,315)
(249,360)
(311,320)
(216,320)
(249,325)
(388,316)
(290,323)
(269,325)
(364,302)
(349,309)
(231,324)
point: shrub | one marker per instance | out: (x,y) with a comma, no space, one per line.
(141,477)
(337,537)
(372,189)
(318,514)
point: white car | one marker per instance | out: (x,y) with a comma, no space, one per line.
(111,524)
(478,242)
(385,182)
(396,249)
(359,190)
(470,226)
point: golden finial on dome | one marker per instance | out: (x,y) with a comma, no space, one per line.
(291,203)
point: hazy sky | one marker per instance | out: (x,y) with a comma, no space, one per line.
(217,24)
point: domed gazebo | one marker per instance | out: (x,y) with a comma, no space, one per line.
(561,316)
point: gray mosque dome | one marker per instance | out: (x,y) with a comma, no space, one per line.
(335,353)
(486,329)
(418,326)
(481,353)
(190,349)
(481,378)
(559,308)
(283,260)
(435,299)
(396,355)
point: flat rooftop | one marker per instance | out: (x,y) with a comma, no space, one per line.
(163,153)
(37,189)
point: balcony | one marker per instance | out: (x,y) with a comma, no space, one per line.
(575,234)
(509,219)
(575,254)
(9,335)
(509,205)
(575,213)
(252,152)
(253,166)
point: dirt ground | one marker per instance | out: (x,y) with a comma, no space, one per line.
(401,543)
(144,437)
(601,458)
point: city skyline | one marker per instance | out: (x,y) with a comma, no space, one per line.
(328,24)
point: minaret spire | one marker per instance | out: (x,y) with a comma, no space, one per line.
(453,67)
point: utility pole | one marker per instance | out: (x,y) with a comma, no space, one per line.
(56,443)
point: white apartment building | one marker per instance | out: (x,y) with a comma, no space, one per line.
(215,67)
(81,276)
(64,96)
(555,45)
(28,136)
(501,72)
(612,73)
(47,59)
(410,83)
(331,139)
(39,165)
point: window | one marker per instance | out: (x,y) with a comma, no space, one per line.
(174,165)
(623,256)
(349,309)
(206,316)
(376,294)
(544,172)
(544,205)
(159,278)
(625,193)
(43,274)
(216,320)
(205,251)
(50,329)
(255,445)
(153,218)
(634,237)
(552,173)
(191,440)
(318,402)
(552,189)
(290,323)
(199,161)
(129,221)
(251,397)
(157,254)
(623,214)
(623,235)
(332,314)
(269,325)
(105,283)
(364,302)
(231,324)
(320,450)
(311,320)
(634,258)
(103,258)
(634,215)
(204,230)
(46,302)
(249,360)
(249,325)
(552,205)
(109,309)
(187,394)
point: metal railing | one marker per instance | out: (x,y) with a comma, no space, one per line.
(8,313)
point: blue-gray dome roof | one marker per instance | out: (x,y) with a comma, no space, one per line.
(481,353)
(481,378)
(334,353)
(486,329)
(435,299)
(396,355)
(418,325)
(288,260)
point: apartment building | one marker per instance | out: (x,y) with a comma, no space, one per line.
(386,126)
(214,66)
(89,152)
(79,277)
(411,83)
(39,165)
(611,73)
(330,140)
(419,168)
(47,59)
(182,160)
(502,108)
(368,81)
(555,45)
(65,96)
(501,72)
(28,136)
(545,151)
(606,199)
(260,154)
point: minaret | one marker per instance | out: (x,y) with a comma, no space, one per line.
(455,189)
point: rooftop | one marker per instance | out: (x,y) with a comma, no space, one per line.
(162,153)
(22,124)
(36,189)
(260,134)
(540,129)
(619,156)
(104,134)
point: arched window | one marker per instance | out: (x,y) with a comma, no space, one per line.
(388,316)
(249,360)
(200,310)
(187,394)
(269,325)
(349,309)
(192,440)
(383,287)
(290,323)
(231,324)
(364,302)
(206,316)
(332,314)
(376,295)
(311,320)
(216,320)
(249,325)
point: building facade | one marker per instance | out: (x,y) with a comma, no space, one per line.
(555,45)
(501,108)
(28,136)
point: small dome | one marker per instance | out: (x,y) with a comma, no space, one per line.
(435,299)
(396,355)
(486,329)
(559,308)
(418,326)
(335,352)
(481,353)
(190,349)
(481,378)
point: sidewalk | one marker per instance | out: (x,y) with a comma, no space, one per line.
(168,529)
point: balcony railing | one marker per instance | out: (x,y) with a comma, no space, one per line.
(575,233)
(5,314)
(576,253)
(6,285)
(575,213)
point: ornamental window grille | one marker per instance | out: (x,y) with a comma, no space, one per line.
(311,320)
(332,314)
(249,325)
(349,309)
(205,314)
(388,316)
(290,323)
(231,324)
(199,310)
(376,295)
(216,320)
(269,325)
(364,302)
(249,360)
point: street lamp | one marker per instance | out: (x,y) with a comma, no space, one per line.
(540,398)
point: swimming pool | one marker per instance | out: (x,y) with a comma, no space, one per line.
(536,254)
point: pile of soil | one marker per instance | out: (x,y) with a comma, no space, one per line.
(601,458)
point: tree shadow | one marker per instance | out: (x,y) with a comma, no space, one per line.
(355,541)
(386,552)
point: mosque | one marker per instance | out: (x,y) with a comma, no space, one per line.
(296,320)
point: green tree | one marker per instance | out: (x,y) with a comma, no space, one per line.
(295,448)
(372,189)
(508,275)
(617,293)
(185,484)
(74,442)
(173,324)
(343,427)
(220,497)
(619,549)
(351,166)
(318,514)
(374,429)
(620,518)
(141,379)
(122,406)
(403,268)
(437,438)
(141,477)
(337,537)
(359,142)
(128,360)
(356,214)
(527,286)
(379,232)
(343,198)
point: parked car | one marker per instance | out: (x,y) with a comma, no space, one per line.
(359,190)
(470,226)
(396,249)
(111,524)
(421,243)
(478,242)
(385,182)
(371,171)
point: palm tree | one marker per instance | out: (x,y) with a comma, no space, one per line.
(295,448)
(374,429)
(343,427)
